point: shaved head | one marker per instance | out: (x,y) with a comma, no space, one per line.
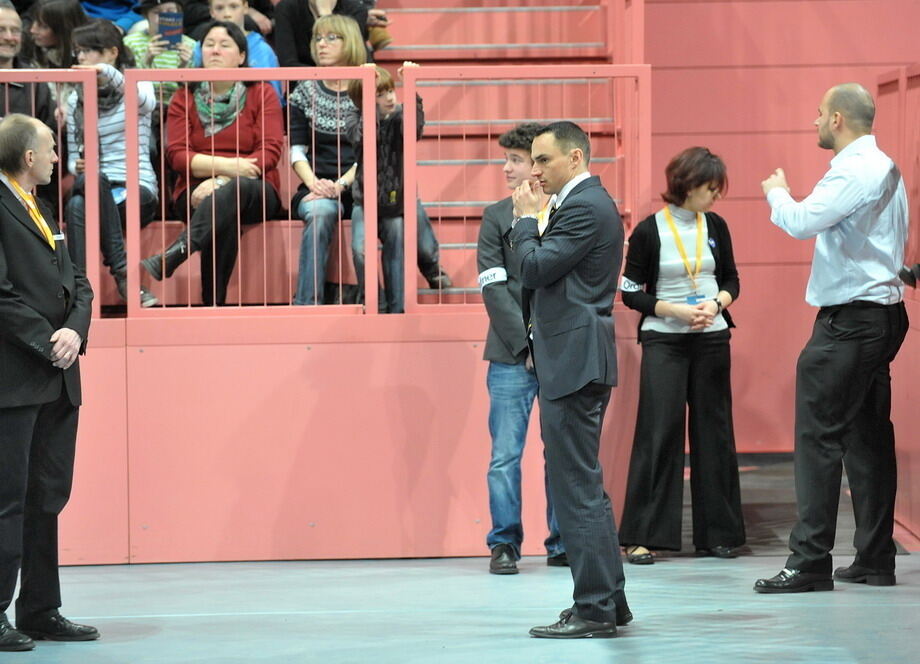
(854,103)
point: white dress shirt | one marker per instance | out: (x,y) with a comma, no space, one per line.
(858,212)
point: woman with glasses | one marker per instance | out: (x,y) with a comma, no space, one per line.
(296,18)
(320,152)
(680,275)
(98,45)
(224,140)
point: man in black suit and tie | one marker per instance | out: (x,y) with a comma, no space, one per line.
(44,319)
(569,274)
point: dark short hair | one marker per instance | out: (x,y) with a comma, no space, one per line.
(521,137)
(100,34)
(569,136)
(236,34)
(690,169)
(18,134)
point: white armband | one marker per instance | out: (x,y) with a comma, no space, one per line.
(629,286)
(492,276)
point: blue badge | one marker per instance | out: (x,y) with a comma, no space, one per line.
(695,299)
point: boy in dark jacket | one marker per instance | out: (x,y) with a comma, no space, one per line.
(390,194)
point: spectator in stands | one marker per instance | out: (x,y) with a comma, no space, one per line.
(390,193)
(152,52)
(377,34)
(320,154)
(33,99)
(258,17)
(119,12)
(98,45)
(296,18)
(680,275)
(259,53)
(511,381)
(53,23)
(224,139)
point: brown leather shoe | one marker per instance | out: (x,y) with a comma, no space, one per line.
(503,560)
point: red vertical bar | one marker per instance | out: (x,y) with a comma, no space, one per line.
(91,181)
(410,189)
(369,117)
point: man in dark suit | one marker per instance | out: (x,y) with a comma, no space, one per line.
(570,274)
(511,381)
(44,319)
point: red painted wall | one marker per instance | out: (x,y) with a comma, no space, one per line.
(744,78)
(198,443)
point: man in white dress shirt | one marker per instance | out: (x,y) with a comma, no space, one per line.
(858,215)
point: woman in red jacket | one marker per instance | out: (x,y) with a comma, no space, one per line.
(224,139)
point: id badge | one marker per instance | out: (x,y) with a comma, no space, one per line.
(695,299)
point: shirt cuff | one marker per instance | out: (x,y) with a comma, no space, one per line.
(778,195)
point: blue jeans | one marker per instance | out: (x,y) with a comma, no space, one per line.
(390,232)
(512,390)
(320,216)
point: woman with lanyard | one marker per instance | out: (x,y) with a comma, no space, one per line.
(680,275)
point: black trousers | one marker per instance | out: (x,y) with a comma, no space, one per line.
(843,413)
(571,429)
(37,445)
(682,372)
(216,226)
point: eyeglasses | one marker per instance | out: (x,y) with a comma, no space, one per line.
(331,38)
(12,32)
(77,52)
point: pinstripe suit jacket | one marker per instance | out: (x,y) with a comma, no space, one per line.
(569,276)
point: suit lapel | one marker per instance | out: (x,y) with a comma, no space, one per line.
(576,190)
(19,212)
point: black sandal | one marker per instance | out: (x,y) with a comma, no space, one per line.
(639,558)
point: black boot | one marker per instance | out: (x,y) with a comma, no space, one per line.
(910,275)
(167,262)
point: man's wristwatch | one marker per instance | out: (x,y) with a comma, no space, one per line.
(719,306)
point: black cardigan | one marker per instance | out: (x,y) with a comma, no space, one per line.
(644,257)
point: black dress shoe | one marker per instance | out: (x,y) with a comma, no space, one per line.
(719,552)
(559,560)
(624,615)
(794,581)
(51,625)
(571,626)
(12,640)
(503,560)
(859,574)
(634,558)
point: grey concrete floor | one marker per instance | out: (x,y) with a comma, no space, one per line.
(453,611)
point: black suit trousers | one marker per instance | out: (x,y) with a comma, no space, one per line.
(681,373)
(843,414)
(37,444)
(571,427)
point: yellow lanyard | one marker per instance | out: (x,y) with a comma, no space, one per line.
(31,206)
(693,274)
